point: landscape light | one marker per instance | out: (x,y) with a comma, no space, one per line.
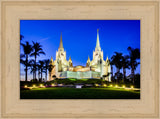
(132,87)
(104,85)
(124,86)
(96,85)
(41,85)
(25,86)
(52,84)
(111,85)
(116,86)
(34,86)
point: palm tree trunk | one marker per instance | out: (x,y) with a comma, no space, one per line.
(41,74)
(38,74)
(33,75)
(117,75)
(132,71)
(35,67)
(26,74)
(26,68)
(46,74)
(111,72)
(124,74)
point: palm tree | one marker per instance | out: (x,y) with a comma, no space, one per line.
(125,64)
(111,63)
(134,54)
(39,70)
(21,37)
(50,67)
(41,65)
(46,66)
(117,61)
(33,68)
(37,50)
(27,49)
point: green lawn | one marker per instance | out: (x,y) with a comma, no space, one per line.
(84,93)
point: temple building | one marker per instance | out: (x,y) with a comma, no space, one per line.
(96,68)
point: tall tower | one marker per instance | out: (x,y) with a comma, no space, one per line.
(70,62)
(88,62)
(61,54)
(61,62)
(98,48)
(97,54)
(51,69)
(61,44)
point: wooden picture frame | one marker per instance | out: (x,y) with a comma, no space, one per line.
(14,10)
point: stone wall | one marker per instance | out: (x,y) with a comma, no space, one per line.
(79,75)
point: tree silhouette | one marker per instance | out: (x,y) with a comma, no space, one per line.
(134,54)
(125,64)
(117,61)
(111,63)
(46,67)
(21,37)
(50,67)
(37,50)
(32,68)
(41,66)
(27,49)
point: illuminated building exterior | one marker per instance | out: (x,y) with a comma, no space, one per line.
(97,68)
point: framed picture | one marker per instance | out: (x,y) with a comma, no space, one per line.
(79,59)
(50,74)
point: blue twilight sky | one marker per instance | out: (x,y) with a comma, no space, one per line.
(79,37)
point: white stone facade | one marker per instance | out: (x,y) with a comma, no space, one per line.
(97,68)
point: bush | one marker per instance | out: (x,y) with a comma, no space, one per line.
(29,84)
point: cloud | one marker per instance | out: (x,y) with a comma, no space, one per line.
(43,39)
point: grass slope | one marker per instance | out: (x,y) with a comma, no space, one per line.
(84,93)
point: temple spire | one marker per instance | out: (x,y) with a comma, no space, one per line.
(51,61)
(61,43)
(88,58)
(98,43)
(70,59)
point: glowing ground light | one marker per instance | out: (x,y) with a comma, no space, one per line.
(25,86)
(96,85)
(132,87)
(41,85)
(104,85)
(34,86)
(116,86)
(52,84)
(123,86)
(111,85)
